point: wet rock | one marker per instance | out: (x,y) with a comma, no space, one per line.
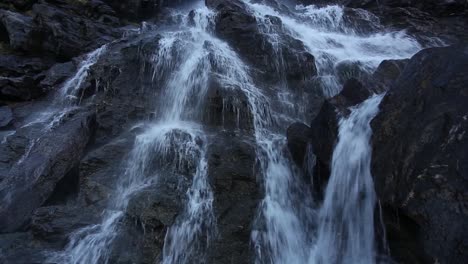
(21,248)
(30,182)
(354,92)
(227,108)
(388,72)
(126,92)
(346,70)
(231,164)
(240,29)
(100,170)
(75,34)
(19,88)
(54,223)
(18,28)
(150,213)
(6,116)
(322,134)
(419,143)
(298,135)
(56,74)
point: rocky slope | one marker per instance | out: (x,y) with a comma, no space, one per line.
(64,179)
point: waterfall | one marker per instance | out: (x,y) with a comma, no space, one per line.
(289,226)
(287,218)
(332,42)
(346,230)
(175,140)
(67,98)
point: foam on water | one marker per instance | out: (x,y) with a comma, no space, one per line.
(346,229)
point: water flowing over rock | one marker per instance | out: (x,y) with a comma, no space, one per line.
(232,131)
(346,232)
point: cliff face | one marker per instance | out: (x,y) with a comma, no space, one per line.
(84,83)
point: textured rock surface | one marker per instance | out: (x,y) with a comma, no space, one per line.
(33,178)
(419,144)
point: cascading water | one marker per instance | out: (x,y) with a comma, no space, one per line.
(172,139)
(67,97)
(333,42)
(63,102)
(288,232)
(186,61)
(346,230)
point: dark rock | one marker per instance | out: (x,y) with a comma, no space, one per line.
(21,248)
(419,144)
(227,108)
(150,213)
(18,27)
(320,138)
(126,90)
(346,70)
(6,116)
(231,163)
(30,182)
(298,135)
(17,66)
(74,35)
(100,169)
(353,93)
(55,223)
(138,10)
(19,88)
(388,72)
(239,28)
(56,74)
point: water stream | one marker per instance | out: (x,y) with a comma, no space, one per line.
(346,229)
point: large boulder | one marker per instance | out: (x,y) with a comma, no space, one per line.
(33,178)
(419,147)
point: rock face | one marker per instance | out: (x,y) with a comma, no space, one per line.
(33,178)
(419,143)
(232,172)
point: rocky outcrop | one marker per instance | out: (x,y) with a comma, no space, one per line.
(83,27)
(32,179)
(240,28)
(419,143)
(231,162)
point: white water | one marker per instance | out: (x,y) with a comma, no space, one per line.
(67,97)
(346,230)
(324,33)
(183,62)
